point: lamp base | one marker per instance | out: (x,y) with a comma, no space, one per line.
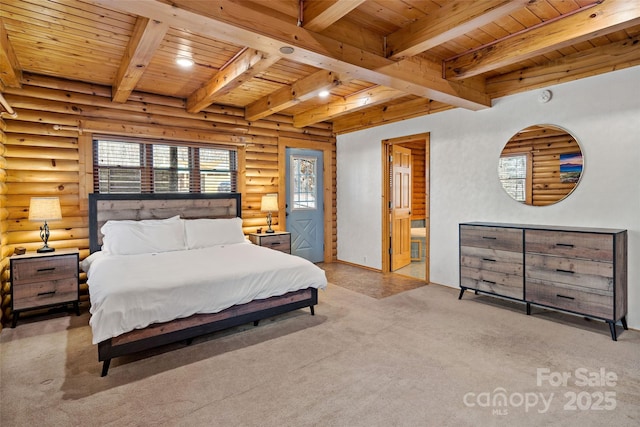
(45,249)
(270,231)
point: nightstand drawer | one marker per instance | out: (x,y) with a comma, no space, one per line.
(279,242)
(48,268)
(45,293)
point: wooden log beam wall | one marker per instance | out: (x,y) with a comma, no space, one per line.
(418,187)
(5,298)
(37,160)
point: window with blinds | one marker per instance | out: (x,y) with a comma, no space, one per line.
(140,166)
(512,171)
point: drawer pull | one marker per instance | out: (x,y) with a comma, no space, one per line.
(42,270)
(489,281)
(274,243)
(564,296)
(565,245)
(489,237)
(489,259)
(42,294)
(564,271)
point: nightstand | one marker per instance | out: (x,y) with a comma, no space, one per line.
(40,280)
(279,240)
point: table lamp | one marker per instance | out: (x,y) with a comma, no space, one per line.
(45,209)
(269,203)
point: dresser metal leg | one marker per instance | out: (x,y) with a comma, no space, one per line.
(612,327)
(461,292)
(528,309)
(313,312)
(624,322)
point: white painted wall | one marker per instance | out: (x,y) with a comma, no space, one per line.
(602,112)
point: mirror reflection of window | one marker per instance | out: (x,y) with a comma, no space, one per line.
(512,171)
(540,165)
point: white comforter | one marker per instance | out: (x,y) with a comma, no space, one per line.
(133,291)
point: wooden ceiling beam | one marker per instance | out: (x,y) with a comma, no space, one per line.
(244,67)
(288,96)
(387,114)
(145,40)
(597,60)
(601,19)
(318,15)
(10,71)
(364,99)
(452,20)
(238,24)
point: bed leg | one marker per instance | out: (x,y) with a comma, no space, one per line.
(256,322)
(313,313)
(105,367)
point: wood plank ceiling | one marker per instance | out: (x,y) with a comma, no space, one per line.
(380,60)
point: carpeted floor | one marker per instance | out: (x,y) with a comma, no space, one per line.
(417,358)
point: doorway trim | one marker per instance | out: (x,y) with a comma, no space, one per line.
(386,196)
(327,164)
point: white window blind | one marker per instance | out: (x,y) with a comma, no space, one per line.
(141,166)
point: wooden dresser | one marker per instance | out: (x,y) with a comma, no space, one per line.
(575,269)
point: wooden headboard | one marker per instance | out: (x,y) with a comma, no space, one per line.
(104,207)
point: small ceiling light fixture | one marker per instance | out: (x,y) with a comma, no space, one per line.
(184,62)
(323,94)
(287,50)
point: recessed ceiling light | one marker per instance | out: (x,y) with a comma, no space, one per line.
(287,50)
(323,94)
(184,62)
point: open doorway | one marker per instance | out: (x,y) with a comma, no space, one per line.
(398,234)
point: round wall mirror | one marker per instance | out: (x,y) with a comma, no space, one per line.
(540,165)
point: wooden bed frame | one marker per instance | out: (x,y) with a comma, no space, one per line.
(104,207)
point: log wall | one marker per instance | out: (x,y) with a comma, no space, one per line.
(418,190)
(37,160)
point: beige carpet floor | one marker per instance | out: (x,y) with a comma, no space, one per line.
(417,358)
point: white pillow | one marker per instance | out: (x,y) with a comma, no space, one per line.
(146,236)
(203,233)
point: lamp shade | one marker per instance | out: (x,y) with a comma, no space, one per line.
(44,209)
(269,203)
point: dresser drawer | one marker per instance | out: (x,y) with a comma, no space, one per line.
(492,260)
(598,247)
(571,299)
(47,268)
(45,293)
(577,272)
(488,270)
(506,239)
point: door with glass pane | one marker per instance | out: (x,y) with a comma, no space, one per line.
(305,204)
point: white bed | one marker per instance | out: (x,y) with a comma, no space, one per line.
(170,267)
(134,291)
